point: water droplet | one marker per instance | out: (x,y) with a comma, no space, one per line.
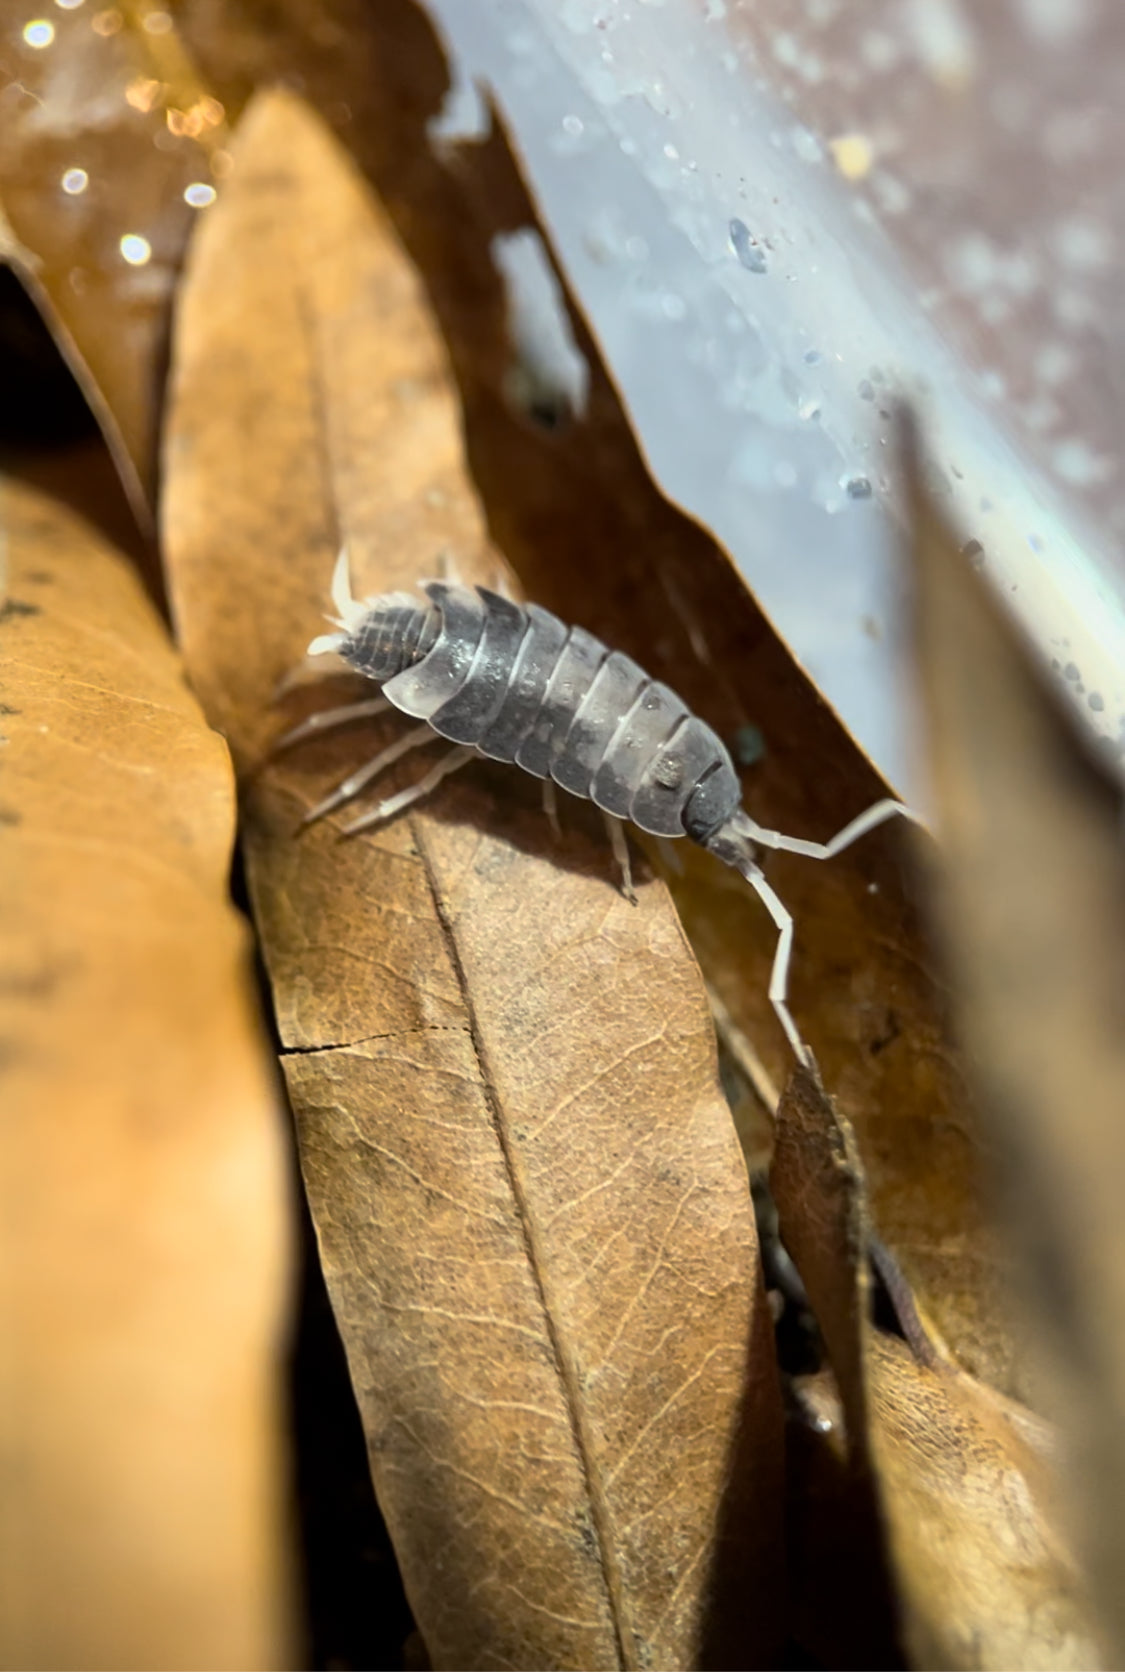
(158,23)
(856,487)
(74,181)
(199,194)
(812,357)
(572,125)
(69,5)
(107,22)
(809,408)
(671,153)
(135,249)
(747,250)
(39,33)
(142,93)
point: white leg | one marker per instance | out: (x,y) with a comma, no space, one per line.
(358,781)
(417,792)
(551,808)
(445,566)
(620,847)
(779,974)
(342,584)
(326,719)
(858,827)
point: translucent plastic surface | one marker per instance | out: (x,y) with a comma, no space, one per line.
(778,216)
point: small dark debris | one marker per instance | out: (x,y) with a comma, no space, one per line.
(748,746)
(16,606)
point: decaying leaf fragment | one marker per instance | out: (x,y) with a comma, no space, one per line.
(1032,897)
(143,1235)
(530,1201)
(109,148)
(963,1477)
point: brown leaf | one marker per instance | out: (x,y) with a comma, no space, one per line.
(963,1477)
(816,1180)
(145,1181)
(969,1490)
(1032,903)
(531,1204)
(105,126)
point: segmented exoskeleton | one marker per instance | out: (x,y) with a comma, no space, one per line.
(511,682)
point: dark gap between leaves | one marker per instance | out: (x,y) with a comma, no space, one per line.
(49,436)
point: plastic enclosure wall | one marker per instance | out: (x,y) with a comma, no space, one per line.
(778,216)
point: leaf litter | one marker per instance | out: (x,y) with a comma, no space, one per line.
(561,503)
(529,1198)
(145,1233)
(578,516)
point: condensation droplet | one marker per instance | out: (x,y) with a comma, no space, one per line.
(75,181)
(749,253)
(39,33)
(199,194)
(107,22)
(69,5)
(856,487)
(572,125)
(1096,701)
(135,249)
(158,23)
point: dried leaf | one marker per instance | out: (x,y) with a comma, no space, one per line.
(963,1476)
(816,1180)
(969,1489)
(144,1169)
(531,1204)
(105,127)
(1033,908)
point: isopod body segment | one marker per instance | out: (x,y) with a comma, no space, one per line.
(513,683)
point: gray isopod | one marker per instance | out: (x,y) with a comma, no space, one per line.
(511,682)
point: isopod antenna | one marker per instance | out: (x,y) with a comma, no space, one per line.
(735,843)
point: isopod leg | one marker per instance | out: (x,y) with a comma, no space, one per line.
(342,583)
(620,846)
(396,804)
(326,719)
(551,808)
(852,832)
(779,974)
(358,781)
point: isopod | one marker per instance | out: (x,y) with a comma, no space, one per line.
(510,682)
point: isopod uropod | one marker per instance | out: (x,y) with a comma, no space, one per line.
(511,682)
